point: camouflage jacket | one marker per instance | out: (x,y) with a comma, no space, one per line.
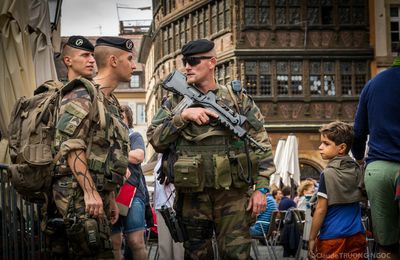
(167,128)
(106,148)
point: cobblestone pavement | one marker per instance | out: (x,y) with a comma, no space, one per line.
(263,252)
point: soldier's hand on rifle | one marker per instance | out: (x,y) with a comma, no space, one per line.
(257,203)
(199,115)
(94,204)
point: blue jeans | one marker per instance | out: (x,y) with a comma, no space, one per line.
(135,220)
(255,230)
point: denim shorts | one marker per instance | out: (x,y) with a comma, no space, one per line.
(135,220)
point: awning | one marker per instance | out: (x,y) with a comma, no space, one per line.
(25,45)
(17,75)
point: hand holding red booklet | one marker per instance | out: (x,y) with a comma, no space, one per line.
(125,197)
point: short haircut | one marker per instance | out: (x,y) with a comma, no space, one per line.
(339,132)
(103,53)
(129,115)
(66,51)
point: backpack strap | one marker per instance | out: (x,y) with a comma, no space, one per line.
(98,99)
(96,96)
(234,98)
(97,107)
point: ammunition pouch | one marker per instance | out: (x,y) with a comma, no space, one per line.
(198,229)
(242,176)
(88,237)
(222,171)
(189,175)
(175,227)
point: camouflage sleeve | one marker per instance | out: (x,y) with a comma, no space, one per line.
(73,123)
(165,127)
(254,125)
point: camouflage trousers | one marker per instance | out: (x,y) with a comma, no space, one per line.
(81,237)
(220,211)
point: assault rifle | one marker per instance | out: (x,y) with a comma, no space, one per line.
(176,83)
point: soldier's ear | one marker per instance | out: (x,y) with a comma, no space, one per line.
(113,60)
(212,62)
(67,61)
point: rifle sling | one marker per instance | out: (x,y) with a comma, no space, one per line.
(207,134)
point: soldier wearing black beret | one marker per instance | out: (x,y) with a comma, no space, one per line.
(114,56)
(115,62)
(214,170)
(78,57)
(80,42)
(116,42)
(93,186)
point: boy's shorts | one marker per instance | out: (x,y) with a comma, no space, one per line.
(380,183)
(135,220)
(349,248)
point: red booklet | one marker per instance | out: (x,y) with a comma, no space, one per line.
(125,197)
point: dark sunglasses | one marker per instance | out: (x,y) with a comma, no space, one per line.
(193,61)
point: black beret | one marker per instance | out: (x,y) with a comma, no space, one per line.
(116,42)
(80,42)
(197,46)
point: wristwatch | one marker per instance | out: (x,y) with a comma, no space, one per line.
(263,190)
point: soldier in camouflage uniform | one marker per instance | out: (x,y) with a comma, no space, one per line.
(78,57)
(95,152)
(213,174)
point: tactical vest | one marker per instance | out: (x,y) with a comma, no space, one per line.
(108,154)
(209,156)
(107,145)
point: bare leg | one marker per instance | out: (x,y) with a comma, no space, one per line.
(137,245)
(116,239)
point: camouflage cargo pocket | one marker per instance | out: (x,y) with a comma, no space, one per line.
(189,175)
(222,171)
(241,173)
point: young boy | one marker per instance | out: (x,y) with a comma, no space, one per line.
(337,217)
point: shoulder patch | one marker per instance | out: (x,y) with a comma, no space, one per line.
(71,118)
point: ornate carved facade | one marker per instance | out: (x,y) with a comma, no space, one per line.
(304,62)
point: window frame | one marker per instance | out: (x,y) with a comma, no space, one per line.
(131,86)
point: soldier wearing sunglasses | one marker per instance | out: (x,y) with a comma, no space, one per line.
(214,172)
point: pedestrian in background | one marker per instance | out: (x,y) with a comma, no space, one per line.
(164,195)
(378,121)
(134,223)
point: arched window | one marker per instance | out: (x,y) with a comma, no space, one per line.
(309,169)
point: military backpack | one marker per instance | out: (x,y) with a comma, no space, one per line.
(31,138)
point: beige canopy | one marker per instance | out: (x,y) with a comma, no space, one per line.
(26,55)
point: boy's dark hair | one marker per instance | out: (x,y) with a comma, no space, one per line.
(129,115)
(286,191)
(339,133)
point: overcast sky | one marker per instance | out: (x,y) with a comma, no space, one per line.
(99,17)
